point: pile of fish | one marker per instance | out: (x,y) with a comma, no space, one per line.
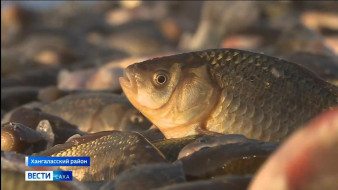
(172,95)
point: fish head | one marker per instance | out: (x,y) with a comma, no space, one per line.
(172,92)
(150,85)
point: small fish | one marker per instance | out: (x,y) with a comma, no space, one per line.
(19,138)
(110,152)
(94,112)
(226,91)
(306,161)
(32,117)
(229,159)
(211,141)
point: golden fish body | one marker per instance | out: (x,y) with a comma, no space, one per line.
(226,91)
(110,152)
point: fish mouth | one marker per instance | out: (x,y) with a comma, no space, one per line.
(128,82)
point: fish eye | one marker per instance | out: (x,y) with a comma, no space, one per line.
(136,118)
(160,78)
(201,140)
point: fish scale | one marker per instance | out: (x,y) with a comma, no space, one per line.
(110,153)
(254,66)
(256,95)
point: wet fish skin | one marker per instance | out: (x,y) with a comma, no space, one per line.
(211,141)
(19,138)
(111,152)
(94,112)
(229,159)
(172,147)
(227,91)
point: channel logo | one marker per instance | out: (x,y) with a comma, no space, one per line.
(48,176)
